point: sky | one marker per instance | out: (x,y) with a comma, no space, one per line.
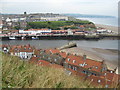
(95,7)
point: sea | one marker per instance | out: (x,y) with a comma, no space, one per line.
(112,21)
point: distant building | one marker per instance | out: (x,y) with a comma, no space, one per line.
(46,17)
(35,31)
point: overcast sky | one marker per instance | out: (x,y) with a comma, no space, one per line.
(98,7)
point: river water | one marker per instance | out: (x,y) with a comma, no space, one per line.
(104,44)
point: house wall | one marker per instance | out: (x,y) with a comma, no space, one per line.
(25,55)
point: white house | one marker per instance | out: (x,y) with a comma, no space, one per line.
(35,31)
(22,51)
(1,24)
(57,18)
(8,20)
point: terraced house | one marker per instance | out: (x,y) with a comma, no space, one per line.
(96,72)
(22,51)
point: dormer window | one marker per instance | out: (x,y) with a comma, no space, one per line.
(68,59)
(75,68)
(105,74)
(40,63)
(96,67)
(55,60)
(86,64)
(111,71)
(74,61)
(99,81)
(69,66)
(80,64)
(106,86)
(29,48)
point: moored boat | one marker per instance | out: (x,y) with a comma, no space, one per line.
(12,38)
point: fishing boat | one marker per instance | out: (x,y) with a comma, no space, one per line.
(12,38)
(35,38)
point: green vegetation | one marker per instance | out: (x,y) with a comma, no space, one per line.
(56,24)
(17,73)
(16,27)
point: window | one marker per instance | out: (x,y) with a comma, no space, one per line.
(29,48)
(99,81)
(96,67)
(106,86)
(69,66)
(74,61)
(83,71)
(55,60)
(68,59)
(40,63)
(75,68)
(80,64)
(105,74)
(111,71)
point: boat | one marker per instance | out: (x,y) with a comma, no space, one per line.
(35,38)
(69,45)
(12,38)
(23,38)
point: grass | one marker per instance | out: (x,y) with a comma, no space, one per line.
(17,73)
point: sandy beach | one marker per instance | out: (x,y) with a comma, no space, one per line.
(94,55)
(113,28)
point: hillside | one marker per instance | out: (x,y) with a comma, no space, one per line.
(57,24)
(22,74)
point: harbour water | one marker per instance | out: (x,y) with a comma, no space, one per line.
(104,44)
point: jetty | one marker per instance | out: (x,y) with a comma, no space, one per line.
(69,45)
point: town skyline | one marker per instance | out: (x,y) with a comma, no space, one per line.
(103,7)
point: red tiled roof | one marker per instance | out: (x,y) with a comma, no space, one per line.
(34,59)
(63,54)
(43,63)
(82,26)
(88,63)
(56,66)
(21,48)
(36,29)
(58,30)
(14,30)
(100,80)
(53,51)
(111,76)
(96,80)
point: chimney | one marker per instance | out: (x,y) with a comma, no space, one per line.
(84,57)
(103,61)
(116,70)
